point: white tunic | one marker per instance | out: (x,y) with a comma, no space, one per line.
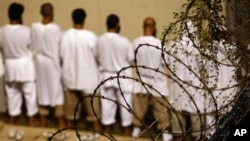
(15,40)
(115,52)
(150,57)
(45,40)
(183,95)
(80,70)
(223,80)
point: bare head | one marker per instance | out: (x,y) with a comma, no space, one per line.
(113,23)
(47,10)
(15,13)
(149,26)
(78,16)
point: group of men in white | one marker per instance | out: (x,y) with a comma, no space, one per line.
(55,69)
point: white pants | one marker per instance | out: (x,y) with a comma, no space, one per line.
(109,108)
(14,92)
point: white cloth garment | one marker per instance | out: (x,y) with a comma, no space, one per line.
(19,62)
(150,57)
(185,64)
(46,44)
(20,71)
(223,81)
(227,79)
(14,97)
(115,52)
(79,68)
(109,108)
(186,92)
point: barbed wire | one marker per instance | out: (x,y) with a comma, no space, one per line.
(208,40)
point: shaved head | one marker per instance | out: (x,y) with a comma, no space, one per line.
(47,10)
(149,26)
(149,22)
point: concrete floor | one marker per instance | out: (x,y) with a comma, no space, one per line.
(36,134)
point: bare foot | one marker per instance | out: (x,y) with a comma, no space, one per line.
(43,121)
(61,122)
(69,124)
(32,121)
(108,129)
(97,126)
(127,131)
(12,120)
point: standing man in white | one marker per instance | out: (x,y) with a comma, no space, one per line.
(45,40)
(187,95)
(113,53)
(151,57)
(20,71)
(80,72)
(222,79)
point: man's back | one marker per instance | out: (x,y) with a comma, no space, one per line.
(79,65)
(15,40)
(114,52)
(46,39)
(150,56)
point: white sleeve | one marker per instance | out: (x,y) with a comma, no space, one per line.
(58,33)
(93,44)
(130,52)
(29,38)
(64,49)
(97,51)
